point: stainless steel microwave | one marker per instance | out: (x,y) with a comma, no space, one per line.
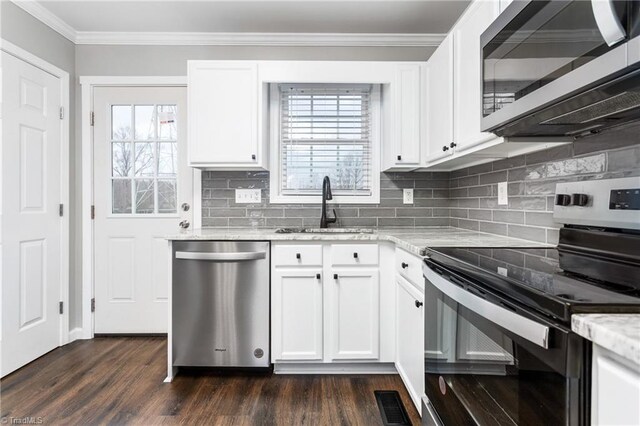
(561,67)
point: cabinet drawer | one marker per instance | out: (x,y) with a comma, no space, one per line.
(354,254)
(409,266)
(297,255)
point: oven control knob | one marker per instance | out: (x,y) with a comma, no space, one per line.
(563,199)
(579,200)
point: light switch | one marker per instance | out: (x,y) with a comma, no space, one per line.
(503,198)
(248,196)
(502,271)
(407,196)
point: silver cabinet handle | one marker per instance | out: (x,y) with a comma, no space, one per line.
(523,327)
(221,257)
(607,21)
(184,224)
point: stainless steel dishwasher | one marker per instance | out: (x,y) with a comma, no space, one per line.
(220,303)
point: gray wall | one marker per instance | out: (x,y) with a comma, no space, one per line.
(26,32)
(531,184)
(431,193)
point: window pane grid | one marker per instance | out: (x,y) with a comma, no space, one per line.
(325,131)
(144,160)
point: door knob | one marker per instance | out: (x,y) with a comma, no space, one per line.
(418,304)
(404,265)
(185,207)
(184,224)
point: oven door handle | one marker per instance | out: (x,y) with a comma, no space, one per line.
(509,320)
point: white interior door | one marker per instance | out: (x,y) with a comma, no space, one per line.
(141,182)
(31,224)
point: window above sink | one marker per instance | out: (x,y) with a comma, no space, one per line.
(320,130)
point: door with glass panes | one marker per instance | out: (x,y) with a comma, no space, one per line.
(142,192)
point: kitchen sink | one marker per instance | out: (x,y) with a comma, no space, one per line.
(324,231)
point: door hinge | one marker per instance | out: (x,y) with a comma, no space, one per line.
(61,113)
(93,212)
(92,118)
(61,308)
(61,210)
(93,304)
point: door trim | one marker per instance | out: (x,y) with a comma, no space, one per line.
(63,76)
(88,84)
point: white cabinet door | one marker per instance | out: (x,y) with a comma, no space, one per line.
(467,71)
(615,393)
(410,338)
(408,114)
(296,316)
(223,114)
(354,314)
(440,102)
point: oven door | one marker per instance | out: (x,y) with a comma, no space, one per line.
(489,362)
(538,53)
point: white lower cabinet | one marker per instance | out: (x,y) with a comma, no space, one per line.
(296,302)
(354,314)
(410,338)
(326,313)
(615,389)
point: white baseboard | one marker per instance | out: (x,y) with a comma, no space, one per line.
(335,368)
(75,334)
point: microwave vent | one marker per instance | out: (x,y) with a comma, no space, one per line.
(614,105)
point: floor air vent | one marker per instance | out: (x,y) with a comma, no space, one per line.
(391,408)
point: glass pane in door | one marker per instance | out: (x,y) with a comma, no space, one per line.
(144,161)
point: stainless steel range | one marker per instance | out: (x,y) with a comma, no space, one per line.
(498,342)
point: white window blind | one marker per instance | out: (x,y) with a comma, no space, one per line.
(325,130)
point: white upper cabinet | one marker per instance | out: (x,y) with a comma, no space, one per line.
(453,139)
(402,144)
(223,115)
(439,91)
(467,71)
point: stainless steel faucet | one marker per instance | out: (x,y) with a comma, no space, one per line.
(326,195)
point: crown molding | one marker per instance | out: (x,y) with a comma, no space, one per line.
(34,8)
(259,39)
(44,15)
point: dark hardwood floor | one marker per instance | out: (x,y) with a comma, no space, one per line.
(119,381)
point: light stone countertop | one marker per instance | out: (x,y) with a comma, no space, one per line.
(619,333)
(414,240)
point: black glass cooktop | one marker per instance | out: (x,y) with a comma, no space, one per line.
(546,279)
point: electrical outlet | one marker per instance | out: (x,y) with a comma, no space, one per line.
(407,196)
(503,197)
(248,196)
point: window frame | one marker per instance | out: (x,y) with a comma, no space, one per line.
(275,187)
